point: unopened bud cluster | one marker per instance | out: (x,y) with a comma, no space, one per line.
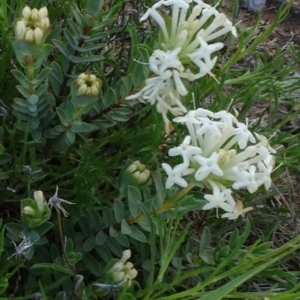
(88,84)
(139,172)
(221,153)
(185,41)
(34,26)
(122,272)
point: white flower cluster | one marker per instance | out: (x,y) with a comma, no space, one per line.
(184,41)
(221,152)
(34,25)
(122,272)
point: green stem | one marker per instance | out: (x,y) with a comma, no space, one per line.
(29,61)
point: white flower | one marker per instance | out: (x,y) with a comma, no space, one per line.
(245,179)
(243,135)
(175,175)
(237,210)
(207,165)
(185,150)
(218,199)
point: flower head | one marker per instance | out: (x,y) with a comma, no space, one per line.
(34,26)
(185,52)
(23,248)
(123,272)
(55,202)
(88,84)
(221,153)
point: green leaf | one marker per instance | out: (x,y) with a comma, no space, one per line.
(101,238)
(89,48)
(113,246)
(88,59)
(84,225)
(4,158)
(33,99)
(36,133)
(125,228)
(113,232)
(43,228)
(44,74)
(160,191)
(106,215)
(21,78)
(70,136)
(52,267)
(62,116)
(89,244)
(104,253)
(79,126)
(61,47)
(234,238)
(69,37)
(14,228)
(205,240)
(134,201)
(118,210)
(96,219)
(90,262)
(138,235)
(46,49)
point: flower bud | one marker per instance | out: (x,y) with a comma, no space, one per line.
(20,30)
(38,36)
(133,273)
(82,90)
(94,90)
(139,172)
(29,211)
(43,12)
(117,267)
(26,13)
(34,15)
(45,24)
(118,276)
(29,37)
(40,200)
(82,76)
(126,255)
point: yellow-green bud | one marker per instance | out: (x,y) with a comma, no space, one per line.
(118,276)
(34,15)
(139,172)
(94,90)
(29,37)
(38,36)
(88,84)
(133,273)
(20,30)
(126,255)
(45,24)
(29,211)
(82,89)
(26,13)
(43,12)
